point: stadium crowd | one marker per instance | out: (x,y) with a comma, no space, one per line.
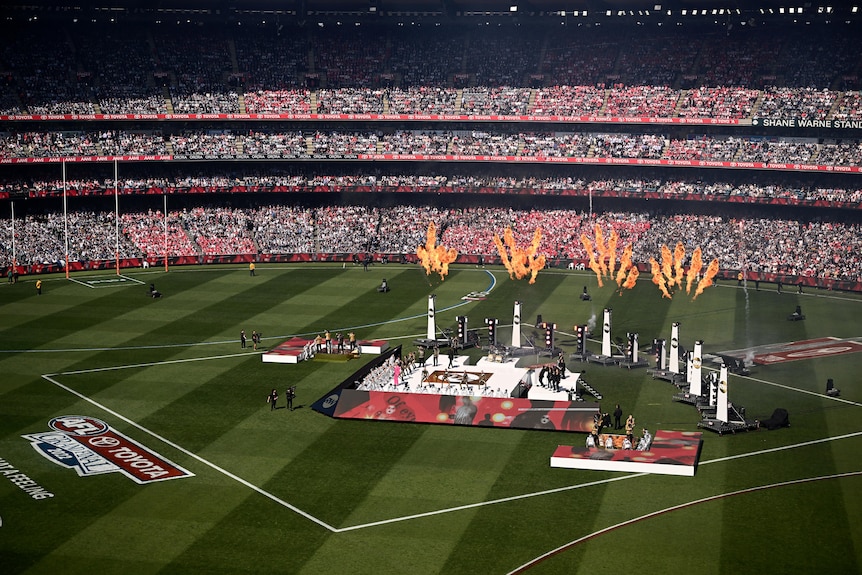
(818,249)
(228,144)
(660,188)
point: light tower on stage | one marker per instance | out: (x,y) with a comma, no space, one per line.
(462,329)
(581,331)
(606,333)
(492,322)
(721,400)
(673,367)
(696,363)
(660,353)
(432,323)
(516,326)
(549,335)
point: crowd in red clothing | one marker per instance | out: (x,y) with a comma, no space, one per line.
(810,249)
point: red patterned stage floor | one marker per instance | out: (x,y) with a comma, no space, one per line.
(290,351)
(671,453)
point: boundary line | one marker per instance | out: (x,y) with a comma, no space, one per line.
(569,545)
(194,456)
(50,377)
(111,281)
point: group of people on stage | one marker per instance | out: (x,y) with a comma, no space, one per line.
(602,420)
(328,343)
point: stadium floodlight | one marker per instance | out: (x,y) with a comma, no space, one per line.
(513,8)
(854,9)
(657,7)
(781,10)
(685,12)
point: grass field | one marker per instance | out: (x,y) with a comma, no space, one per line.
(297,492)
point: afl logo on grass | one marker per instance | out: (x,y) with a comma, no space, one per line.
(78,425)
(90,447)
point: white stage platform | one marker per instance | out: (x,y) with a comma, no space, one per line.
(503,376)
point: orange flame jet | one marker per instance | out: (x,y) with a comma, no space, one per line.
(435,258)
(520,262)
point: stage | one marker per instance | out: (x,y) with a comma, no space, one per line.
(670,453)
(299,349)
(488,377)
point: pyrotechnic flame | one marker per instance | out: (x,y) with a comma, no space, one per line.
(632,279)
(520,262)
(694,269)
(435,258)
(706,281)
(625,264)
(594,265)
(603,249)
(678,259)
(612,251)
(661,275)
(658,278)
(608,251)
(666,263)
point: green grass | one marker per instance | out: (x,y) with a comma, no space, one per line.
(401,498)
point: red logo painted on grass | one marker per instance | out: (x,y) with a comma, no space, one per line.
(91,447)
(824,347)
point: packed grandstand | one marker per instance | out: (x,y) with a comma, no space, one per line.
(329,142)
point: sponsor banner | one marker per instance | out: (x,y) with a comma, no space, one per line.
(381,117)
(91,447)
(465,158)
(807,123)
(79,159)
(476,411)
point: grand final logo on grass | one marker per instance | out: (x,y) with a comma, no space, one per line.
(90,447)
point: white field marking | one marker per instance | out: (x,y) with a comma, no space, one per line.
(798,390)
(154,363)
(407,517)
(71,279)
(591,484)
(782,448)
(130,278)
(109,281)
(195,456)
(570,544)
(485,503)
(232,341)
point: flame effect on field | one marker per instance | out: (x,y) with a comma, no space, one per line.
(520,262)
(670,273)
(605,265)
(434,258)
(706,281)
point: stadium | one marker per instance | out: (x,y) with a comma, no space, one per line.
(282,282)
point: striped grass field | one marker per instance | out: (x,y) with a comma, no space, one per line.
(297,492)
